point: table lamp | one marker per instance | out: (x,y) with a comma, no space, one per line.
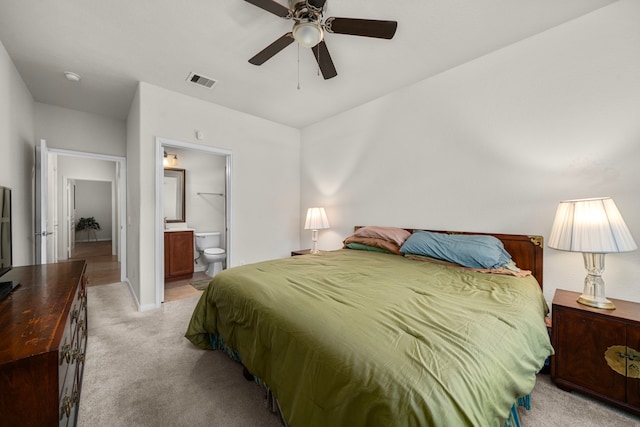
(316,220)
(595,228)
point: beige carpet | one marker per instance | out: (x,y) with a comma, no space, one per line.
(141,371)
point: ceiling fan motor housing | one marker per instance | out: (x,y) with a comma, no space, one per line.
(309,30)
(295,4)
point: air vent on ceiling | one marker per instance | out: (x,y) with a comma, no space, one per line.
(201,80)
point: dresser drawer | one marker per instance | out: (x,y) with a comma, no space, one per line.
(65,359)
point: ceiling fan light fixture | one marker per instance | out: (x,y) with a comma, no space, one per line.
(307,34)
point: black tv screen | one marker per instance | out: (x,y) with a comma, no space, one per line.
(6,258)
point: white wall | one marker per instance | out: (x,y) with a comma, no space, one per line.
(17,159)
(265,177)
(74,130)
(495,144)
(133,221)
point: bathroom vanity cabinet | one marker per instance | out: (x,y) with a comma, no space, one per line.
(178,255)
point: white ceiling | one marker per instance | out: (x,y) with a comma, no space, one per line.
(114,44)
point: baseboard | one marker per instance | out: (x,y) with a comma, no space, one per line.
(140,308)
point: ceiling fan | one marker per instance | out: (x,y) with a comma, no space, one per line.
(309,29)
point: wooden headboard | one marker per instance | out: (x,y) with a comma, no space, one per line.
(525,250)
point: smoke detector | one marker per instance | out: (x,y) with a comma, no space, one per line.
(71,76)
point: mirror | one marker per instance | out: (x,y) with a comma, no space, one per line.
(174,195)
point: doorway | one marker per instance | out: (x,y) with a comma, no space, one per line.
(92,228)
(205,197)
(64,170)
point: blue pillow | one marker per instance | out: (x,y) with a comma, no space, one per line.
(469,250)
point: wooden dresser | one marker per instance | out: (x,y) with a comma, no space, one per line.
(43,337)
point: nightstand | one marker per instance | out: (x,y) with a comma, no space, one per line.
(597,352)
(301,252)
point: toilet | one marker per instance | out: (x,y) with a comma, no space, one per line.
(208,244)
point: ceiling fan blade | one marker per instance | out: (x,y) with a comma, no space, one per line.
(325,63)
(269,51)
(317,3)
(362,27)
(271,6)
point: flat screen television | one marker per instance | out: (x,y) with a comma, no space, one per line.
(6,244)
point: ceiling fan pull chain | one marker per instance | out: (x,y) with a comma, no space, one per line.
(298,67)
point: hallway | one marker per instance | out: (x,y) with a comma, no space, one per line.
(104,268)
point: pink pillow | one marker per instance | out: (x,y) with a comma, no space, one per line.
(390,234)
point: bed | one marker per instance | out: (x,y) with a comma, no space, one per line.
(374,338)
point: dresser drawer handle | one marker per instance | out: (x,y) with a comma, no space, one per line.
(77,355)
(622,359)
(82,327)
(65,353)
(65,408)
(630,356)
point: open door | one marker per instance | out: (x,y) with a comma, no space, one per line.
(71,216)
(43,240)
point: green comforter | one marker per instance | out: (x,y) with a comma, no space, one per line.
(358,338)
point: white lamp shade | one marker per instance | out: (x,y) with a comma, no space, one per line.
(316,219)
(307,34)
(592,226)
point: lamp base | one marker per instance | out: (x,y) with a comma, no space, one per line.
(593,293)
(604,304)
(314,242)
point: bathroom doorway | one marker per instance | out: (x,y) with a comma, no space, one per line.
(206,200)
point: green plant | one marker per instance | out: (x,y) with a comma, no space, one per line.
(87,224)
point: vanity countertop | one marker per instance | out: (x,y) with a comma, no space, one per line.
(169,230)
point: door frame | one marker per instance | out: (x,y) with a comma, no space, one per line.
(69,220)
(121,192)
(42,210)
(161,143)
